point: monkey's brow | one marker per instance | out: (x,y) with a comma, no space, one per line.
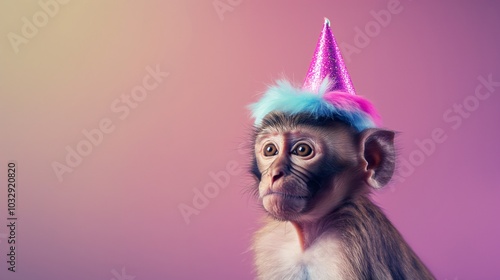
(289,135)
(263,135)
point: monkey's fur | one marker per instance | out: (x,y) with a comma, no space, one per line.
(322,224)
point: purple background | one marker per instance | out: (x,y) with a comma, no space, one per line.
(119,207)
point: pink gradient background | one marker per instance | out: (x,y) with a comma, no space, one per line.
(119,208)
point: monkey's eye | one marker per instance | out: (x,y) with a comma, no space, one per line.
(270,150)
(302,150)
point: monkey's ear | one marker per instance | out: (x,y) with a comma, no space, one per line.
(378,156)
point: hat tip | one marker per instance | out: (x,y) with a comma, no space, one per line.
(327,21)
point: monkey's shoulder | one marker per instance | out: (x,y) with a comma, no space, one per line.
(373,245)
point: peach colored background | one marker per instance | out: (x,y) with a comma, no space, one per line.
(118,208)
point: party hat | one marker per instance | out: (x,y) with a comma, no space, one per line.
(327,91)
(327,62)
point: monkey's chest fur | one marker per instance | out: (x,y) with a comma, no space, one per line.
(279,255)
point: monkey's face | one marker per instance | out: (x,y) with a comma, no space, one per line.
(301,167)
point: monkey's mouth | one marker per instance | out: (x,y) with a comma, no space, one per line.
(284,206)
(286,195)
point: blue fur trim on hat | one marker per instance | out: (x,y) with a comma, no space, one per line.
(283,97)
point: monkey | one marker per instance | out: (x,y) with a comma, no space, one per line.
(314,178)
(317,153)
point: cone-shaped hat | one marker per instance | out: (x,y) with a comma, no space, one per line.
(327,91)
(327,62)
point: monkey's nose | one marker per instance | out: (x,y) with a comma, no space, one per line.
(276,174)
